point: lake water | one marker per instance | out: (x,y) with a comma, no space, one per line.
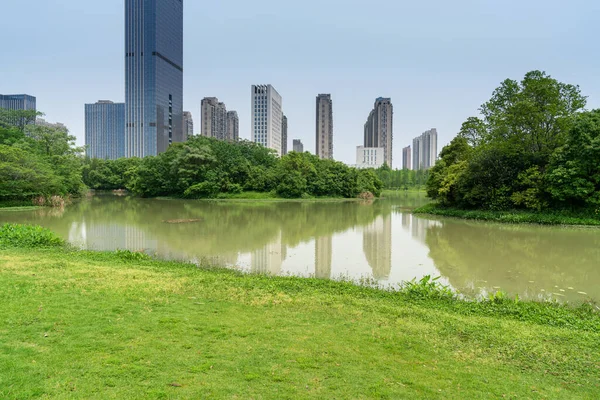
(380,242)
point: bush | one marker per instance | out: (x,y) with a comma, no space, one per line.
(28,236)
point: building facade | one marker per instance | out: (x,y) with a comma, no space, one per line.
(406,158)
(18,102)
(233,126)
(424,150)
(55,125)
(369,157)
(298,147)
(379,128)
(284,135)
(214,118)
(267,117)
(153,76)
(105,130)
(188,125)
(324,127)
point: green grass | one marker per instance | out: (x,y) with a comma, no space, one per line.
(26,236)
(15,204)
(85,325)
(414,189)
(513,217)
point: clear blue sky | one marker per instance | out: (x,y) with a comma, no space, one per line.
(438,60)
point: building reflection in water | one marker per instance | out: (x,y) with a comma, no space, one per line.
(112,236)
(269,259)
(377,246)
(323,255)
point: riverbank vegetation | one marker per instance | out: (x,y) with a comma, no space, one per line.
(534,148)
(84,324)
(38,164)
(209,168)
(560,217)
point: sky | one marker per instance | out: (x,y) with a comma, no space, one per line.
(438,60)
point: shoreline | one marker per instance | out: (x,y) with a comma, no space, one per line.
(142,327)
(511,217)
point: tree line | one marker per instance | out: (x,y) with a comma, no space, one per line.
(534,146)
(208,168)
(37,162)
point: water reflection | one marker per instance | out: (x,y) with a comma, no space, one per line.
(380,241)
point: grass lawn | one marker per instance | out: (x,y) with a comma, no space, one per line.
(83,325)
(513,217)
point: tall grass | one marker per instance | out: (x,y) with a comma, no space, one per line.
(28,236)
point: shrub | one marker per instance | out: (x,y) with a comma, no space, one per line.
(28,236)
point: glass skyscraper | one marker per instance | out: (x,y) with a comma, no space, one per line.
(153,76)
(105,130)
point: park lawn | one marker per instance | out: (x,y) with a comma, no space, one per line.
(83,325)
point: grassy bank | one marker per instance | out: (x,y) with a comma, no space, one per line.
(513,217)
(389,192)
(77,324)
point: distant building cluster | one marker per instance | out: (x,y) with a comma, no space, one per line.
(152,116)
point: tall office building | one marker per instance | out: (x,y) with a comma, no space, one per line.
(406,158)
(188,125)
(324,128)
(298,146)
(233,126)
(267,117)
(284,135)
(379,128)
(18,102)
(105,130)
(214,118)
(425,150)
(153,76)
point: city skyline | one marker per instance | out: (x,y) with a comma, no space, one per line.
(425,93)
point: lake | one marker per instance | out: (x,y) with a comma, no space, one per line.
(377,242)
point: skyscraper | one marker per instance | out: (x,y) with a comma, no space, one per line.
(267,116)
(324,126)
(284,135)
(188,125)
(153,76)
(379,128)
(233,126)
(298,146)
(406,158)
(214,118)
(105,130)
(425,150)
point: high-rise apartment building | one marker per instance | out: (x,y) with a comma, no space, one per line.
(18,102)
(379,128)
(267,116)
(55,125)
(406,158)
(153,76)
(324,126)
(188,125)
(298,146)
(424,150)
(105,130)
(214,118)
(284,135)
(233,126)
